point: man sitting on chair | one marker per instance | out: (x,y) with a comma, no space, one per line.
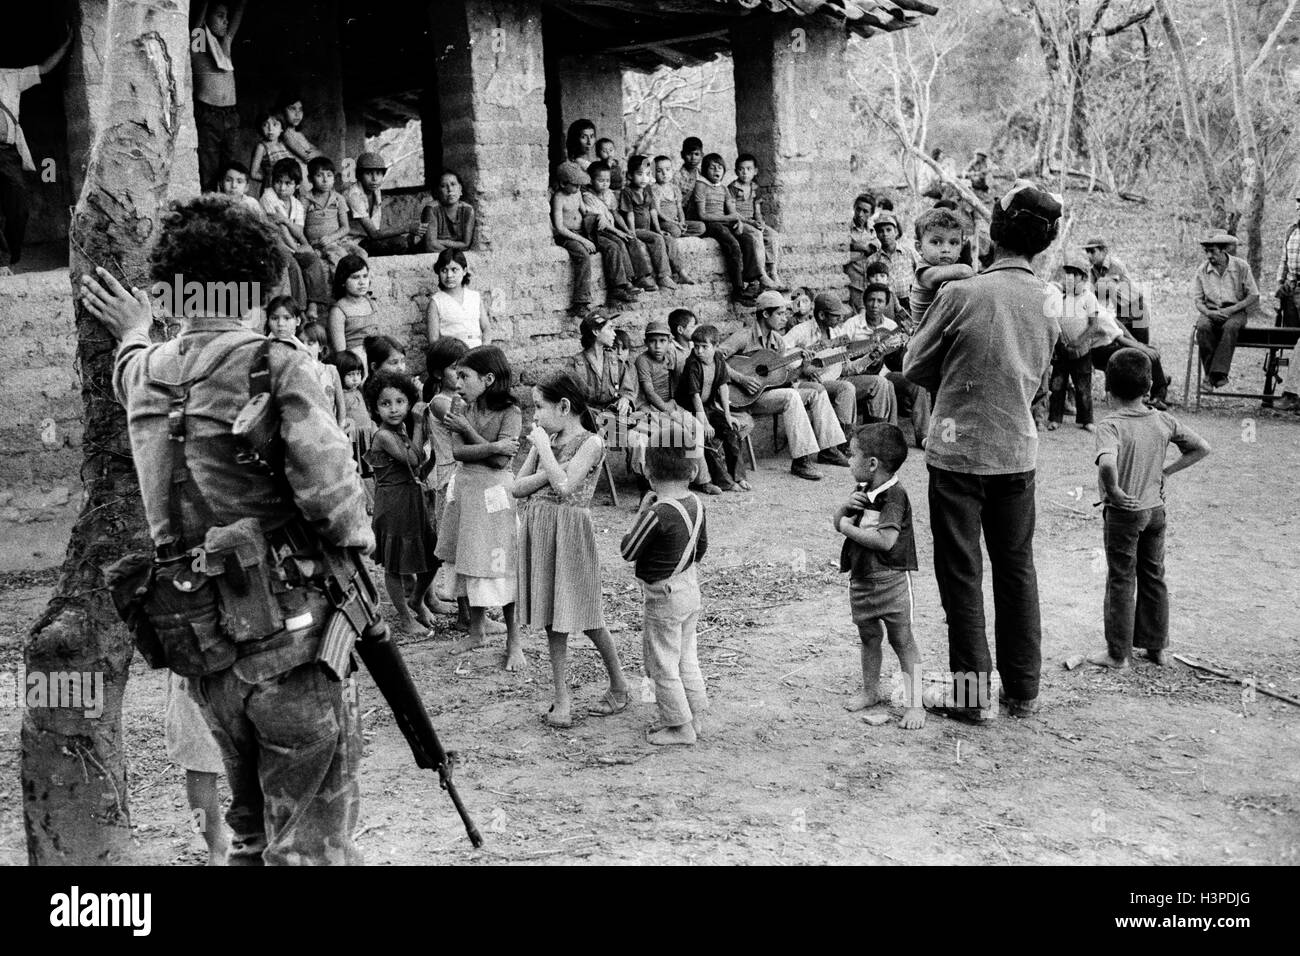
(809,419)
(848,384)
(1225,293)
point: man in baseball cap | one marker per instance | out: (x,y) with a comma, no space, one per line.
(1101,263)
(984,351)
(365,202)
(811,427)
(1225,294)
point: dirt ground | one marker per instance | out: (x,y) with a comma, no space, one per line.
(1149,766)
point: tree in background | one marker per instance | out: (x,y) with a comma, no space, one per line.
(73,766)
(662,108)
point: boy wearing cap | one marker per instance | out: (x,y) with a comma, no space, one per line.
(568,215)
(1225,292)
(902,260)
(1131,472)
(985,350)
(1076,308)
(365,202)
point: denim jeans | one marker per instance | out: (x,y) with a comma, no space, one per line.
(668,646)
(1217,339)
(1137,601)
(961,505)
(1069,371)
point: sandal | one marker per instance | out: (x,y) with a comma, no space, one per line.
(743,485)
(608,705)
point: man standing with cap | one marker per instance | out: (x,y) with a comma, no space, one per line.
(1225,292)
(811,427)
(15,157)
(1103,263)
(985,349)
(1288,294)
(846,383)
(366,210)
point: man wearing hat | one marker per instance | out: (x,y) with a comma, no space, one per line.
(899,257)
(1225,292)
(984,350)
(849,385)
(1101,263)
(365,202)
(1288,294)
(811,427)
(977,172)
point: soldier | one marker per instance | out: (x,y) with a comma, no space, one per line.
(286,723)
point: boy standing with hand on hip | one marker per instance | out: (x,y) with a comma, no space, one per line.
(1131,470)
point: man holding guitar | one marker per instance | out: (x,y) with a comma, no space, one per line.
(762,368)
(846,350)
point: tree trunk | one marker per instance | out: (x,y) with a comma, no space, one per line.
(1192,125)
(73,767)
(1250,204)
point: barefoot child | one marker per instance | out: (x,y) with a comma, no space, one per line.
(559,569)
(404,543)
(190,744)
(1072,359)
(667,542)
(879,553)
(478,534)
(1131,470)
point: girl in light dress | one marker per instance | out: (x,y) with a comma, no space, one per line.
(559,569)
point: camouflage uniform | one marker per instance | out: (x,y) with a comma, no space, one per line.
(289,735)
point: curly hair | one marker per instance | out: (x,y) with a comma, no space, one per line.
(216,239)
(379,381)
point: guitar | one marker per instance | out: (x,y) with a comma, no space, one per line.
(775,370)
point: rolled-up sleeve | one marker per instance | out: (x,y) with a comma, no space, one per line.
(923,360)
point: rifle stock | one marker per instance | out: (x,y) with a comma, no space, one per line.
(351,581)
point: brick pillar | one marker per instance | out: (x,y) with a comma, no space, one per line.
(490,91)
(591,87)
(792,113)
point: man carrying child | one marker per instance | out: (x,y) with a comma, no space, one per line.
(985,348)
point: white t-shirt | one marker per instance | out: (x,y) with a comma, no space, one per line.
(12,84)
(293,210)
(1085,325)
(460,320)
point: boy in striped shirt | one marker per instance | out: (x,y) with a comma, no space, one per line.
(667,540)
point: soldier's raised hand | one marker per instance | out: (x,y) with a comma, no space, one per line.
(108,300)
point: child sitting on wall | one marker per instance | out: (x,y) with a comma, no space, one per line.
(601,202)
(568,221)
(749,204)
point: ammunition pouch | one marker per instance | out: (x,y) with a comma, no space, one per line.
(235,558)
(172,612)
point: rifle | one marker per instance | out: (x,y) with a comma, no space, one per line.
(355,598)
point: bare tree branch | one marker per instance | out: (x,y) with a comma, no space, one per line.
(1262,56)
